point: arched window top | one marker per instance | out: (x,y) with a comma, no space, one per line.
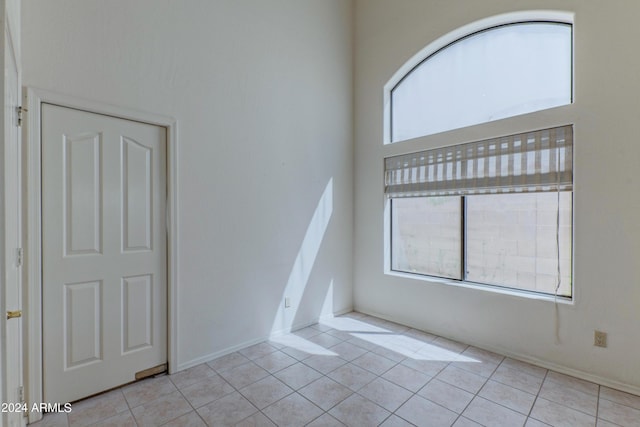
(495,73)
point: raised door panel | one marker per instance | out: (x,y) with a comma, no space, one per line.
(82,194)
(83,324)
(137,320)
(137,195)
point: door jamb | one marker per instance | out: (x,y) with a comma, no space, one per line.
(34,98)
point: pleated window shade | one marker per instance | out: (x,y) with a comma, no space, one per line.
(528,162)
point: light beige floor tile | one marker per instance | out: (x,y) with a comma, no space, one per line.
(191,419)
(447,395)
(357,411)
(556,392)
(298,375)
(405,344)
(619,414)
(620,397)
(367,345)
(466,422)
(161,410)
(342,335)
(227,362)
(243,375)
(532,422)
(488,413)
(321,327)
(422,412)
(478,361)
(293,410)
(325,420)
(325,392)
(426,366)
(389,362)
(307,332)
(228,410)
(392,355)
(265,392)
(275,361)
(296,353)
(406,377)
(528,368)
(54,419)
(274,343)
(97,408)
(191,376)
(123,419)
(394,327)
(374,363)
(484,369)
(463,379)
(574,383)
(324,364)
(257,350)
(517,379)
(256,420)
(325,340)
(385,393)
(483,355)
(348,351)
(423,336)
(560,416)
(450,345)
(352,376)
(395,421)
(147,390)
(206,391)
(508,396)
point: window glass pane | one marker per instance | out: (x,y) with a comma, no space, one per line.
(497,73)
(426,236)
(511,241)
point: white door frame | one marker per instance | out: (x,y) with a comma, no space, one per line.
(34,98)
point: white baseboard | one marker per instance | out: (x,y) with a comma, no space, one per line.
(587,376)
(229,350)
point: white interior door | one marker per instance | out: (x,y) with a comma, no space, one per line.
(104,251)
(12,322)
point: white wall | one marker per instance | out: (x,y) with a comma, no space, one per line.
(262,92)
(606,197)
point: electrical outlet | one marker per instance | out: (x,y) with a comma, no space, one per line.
(287,302)
(600,339)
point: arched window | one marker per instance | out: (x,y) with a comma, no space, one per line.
(492,74)
(495,212)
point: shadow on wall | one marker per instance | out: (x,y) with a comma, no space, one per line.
(296,290)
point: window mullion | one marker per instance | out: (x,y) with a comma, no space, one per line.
(463,232)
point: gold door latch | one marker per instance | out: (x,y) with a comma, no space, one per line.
(14,314)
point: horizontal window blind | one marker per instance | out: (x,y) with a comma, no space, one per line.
(528,162)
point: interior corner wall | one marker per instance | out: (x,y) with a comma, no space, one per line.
(262,92)
(606,197)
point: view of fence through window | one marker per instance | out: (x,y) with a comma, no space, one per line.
(509,239)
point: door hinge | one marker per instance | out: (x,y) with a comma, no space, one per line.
(23,402)
(21,110)
(18,257)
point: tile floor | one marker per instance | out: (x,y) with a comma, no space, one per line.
(361,371)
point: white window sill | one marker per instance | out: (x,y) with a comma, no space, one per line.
(480,287)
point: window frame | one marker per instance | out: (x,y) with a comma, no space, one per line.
(486,24)
(514,124)
(464,281)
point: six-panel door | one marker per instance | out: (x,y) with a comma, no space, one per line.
(104,251)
